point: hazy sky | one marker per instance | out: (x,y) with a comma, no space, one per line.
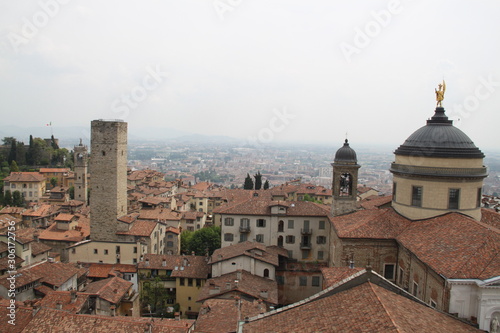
(270,70)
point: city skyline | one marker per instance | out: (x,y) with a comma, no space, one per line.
(260,72)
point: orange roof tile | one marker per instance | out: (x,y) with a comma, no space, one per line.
(111,289)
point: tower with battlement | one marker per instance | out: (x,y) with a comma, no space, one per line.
(81,165)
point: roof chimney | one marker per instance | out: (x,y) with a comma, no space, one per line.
(73,296)
(164,262)
(59,305)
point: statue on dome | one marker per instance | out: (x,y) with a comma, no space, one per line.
(440,94)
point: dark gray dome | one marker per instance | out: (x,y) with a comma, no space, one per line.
(439,138)
(345,154)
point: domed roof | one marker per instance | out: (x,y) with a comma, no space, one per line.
(439,138)
(345,154)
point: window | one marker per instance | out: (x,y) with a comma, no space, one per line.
(394,186)
(432,303)
(135,249)
(416,196)
(105,251)
(321,255)
(401,275)
(290,254)
(479,196)
(170,236)
(182,282)
(228,237)
(261,223)
(170,244)
(266,273)
(229,221)
(190,282)
(245,223)
(415,289)
(198,282)
(95,251)
(259,238)
(306,225)
(281,226)
(243,238)
(302,281)
(134,260)
(389,271)
(305,254)
(315,281)
(321,240)
(290,224)
(453,198)
(290,239)
(321,225)
(200,203)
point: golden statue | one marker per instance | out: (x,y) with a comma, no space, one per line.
(440,94)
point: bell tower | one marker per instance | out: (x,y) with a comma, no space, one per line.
(345,180)
(81,163)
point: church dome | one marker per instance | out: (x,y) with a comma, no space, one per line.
(345,154)
(439,138)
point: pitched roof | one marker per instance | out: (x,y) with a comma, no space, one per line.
(491,217)
(159,214)
(23,316)
(25,177)
(262,206)
(365,302)
(241,282)
(111,289)
(250,249)
(106,270)
(141,228)
(375,201)
(195,267)
(221,315)
(80,233)
(57,170)
(333,275)
(56,321)
(53,298)
(39,248)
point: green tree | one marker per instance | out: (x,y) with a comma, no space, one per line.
(266,185)
(258,180)
(53,182)
(203,240)
(1,196)
(7,141)
(185,240)
(248,185)
(13,166)
(154,297)
(7,200)
(307,197)
(13,151)
(72,192)
(17,199)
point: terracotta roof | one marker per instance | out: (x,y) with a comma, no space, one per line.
(6,220)
(333,275)
(155,200)
(366,305)
(455,246)
(56,321)
(111,289)
(25,177)
(52,299)
(12,210)
(378,223)
(41,211)
(221,315)
(489,216)
(4,262)
(159,214)
(129,218)
(78,234)
(195,267)
(39,248)
(172,229)
(248,284)
(250,249)
(63,217)
(23,317)
(54,274)
(142,228)
(259,206)
(105,270)
(57,170)
(376,201)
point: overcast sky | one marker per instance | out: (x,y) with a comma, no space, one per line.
(269,70)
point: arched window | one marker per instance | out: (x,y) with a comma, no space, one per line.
(345,188)
(266,273)
(281,226)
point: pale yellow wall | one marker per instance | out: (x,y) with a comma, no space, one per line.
(184,293)
(435,197)
(85,252)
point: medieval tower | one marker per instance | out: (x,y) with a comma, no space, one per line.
(81,162)
(345,180)
(108,167)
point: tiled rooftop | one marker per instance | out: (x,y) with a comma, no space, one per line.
(112,289)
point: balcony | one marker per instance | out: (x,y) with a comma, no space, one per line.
(244,228)
(306,231)
(305,246)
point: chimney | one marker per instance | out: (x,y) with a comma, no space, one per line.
(147,262)
(59,305)
(184,262)
(113,310)
(164,262)
(264,294)
(177,315)
(73,296)
(36,307)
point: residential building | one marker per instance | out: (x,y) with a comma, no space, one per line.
(31,185)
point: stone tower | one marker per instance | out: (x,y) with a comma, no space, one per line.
(438,169)
(108,169)
(81,162)
(345,180)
